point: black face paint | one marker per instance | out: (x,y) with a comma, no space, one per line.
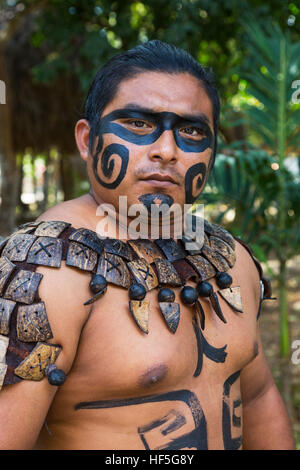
(161,121)
(195,439)
(157,199)
(107,165)
(196,171)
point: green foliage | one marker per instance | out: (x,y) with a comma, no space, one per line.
(256,180)
(271,67)
(246,180)
(77,36)
(265,193)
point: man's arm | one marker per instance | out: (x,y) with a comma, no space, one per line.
(266,425)
(24,406)
(265,421)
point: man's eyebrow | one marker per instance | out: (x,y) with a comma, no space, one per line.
(199,117)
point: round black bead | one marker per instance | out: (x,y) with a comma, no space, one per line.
(223,280)
(166,295)
(137,291)
(188,295)
(204,289)
(56,377)
(98,283)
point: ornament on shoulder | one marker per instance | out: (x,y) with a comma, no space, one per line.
(223,280)
(54,375)
(188,295)
(137,291)
(169,308)
(98,285)
(205,289)
(139,310)
(233,297)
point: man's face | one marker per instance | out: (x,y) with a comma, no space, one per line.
(154,138)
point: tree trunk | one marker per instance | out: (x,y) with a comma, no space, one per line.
(9,174)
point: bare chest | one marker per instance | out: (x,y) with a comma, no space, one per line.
(117,358)
(165,389)
(132,374)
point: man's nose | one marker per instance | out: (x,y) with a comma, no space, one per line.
(164,149)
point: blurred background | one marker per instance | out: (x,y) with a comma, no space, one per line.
(50,51)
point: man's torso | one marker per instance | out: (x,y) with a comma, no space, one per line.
(131,390)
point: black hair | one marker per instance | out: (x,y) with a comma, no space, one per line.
(152,56)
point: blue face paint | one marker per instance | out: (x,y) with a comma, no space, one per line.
(162,121)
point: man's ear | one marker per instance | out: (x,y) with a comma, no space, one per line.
(82,134)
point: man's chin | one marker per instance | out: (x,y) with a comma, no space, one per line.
(158,199)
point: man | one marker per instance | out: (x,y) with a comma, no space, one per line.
(145,344)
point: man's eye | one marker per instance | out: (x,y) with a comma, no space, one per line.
(139,124)
(193,131)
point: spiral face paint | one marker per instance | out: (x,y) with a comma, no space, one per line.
(107,164)
(161,122)
(196,171)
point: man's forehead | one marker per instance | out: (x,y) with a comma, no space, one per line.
(157,92)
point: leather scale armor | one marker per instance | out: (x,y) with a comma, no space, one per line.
(25,351)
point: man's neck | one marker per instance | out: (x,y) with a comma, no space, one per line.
(115,223)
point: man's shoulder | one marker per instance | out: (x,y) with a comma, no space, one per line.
(71,211)
(243,264)
(237,253)
(235,250)
(246,260)
(41,298)
(47,247)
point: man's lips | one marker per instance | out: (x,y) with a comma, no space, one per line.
(159,179)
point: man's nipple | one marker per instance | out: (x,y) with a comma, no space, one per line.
(153,376)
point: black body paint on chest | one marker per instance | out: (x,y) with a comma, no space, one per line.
(214,354)
(174,420)
(196,439)
(228,419)
(162,121)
